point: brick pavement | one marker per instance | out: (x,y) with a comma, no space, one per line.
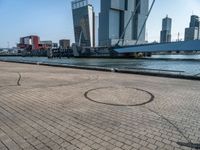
(50,112)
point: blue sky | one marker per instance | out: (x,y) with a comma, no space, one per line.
(52,19)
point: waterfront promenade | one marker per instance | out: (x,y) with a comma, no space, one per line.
(52,108)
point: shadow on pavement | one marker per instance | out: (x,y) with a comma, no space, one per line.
(190,145)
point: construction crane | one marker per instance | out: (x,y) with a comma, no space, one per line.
(129,21)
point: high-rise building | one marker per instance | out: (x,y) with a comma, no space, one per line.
(193,32)
(96,30)
(84,24)
(114,17)
(194,21)
(165,34)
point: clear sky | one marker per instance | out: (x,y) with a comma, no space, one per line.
(52,19)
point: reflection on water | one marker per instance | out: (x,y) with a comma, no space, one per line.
(195,57)
(190,67)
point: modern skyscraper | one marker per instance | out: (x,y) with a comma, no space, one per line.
(193,32)
(114,17)
(165,34)
(194,21)
(84,24)
(96,31)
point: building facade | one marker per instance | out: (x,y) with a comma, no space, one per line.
(64,44)
(46,45)
(113,19)
(193,32)
(194,21)
(165,34)
(84,24)
(96,31)
(55,45)
(29,42)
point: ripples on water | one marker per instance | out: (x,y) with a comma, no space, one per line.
(191,66)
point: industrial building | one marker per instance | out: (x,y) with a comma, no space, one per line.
(165,34)
(84,23)
(55,45)
(33,43)
(29,42)
(193,32)
(113,19)
(64,43)
(46,45)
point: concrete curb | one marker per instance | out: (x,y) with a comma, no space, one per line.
(116,70)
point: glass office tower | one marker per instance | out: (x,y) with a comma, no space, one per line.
(193,32)
(165,34)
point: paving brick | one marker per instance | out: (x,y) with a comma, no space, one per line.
(49,111)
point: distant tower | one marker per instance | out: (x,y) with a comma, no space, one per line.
(193,32)
(194,21)
(84,23)
(165,34)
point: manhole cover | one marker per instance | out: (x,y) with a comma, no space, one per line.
(119,96)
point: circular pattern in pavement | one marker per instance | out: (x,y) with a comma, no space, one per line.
(119,96)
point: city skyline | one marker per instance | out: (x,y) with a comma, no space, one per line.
(53,21)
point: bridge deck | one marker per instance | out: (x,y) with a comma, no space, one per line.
(162,47)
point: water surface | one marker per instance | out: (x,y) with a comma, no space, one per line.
(189,64)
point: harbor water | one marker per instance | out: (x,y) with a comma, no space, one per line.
(184,64)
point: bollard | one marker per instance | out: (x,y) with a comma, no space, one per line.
(112,69)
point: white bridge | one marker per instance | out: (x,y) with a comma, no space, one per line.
(161,47)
